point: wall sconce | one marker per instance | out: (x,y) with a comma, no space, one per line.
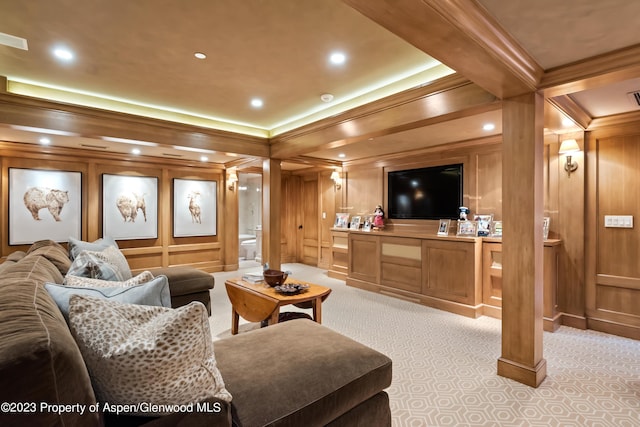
(568,147)
(337,181)
(231,180)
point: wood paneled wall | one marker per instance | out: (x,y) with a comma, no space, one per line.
(205,253)
(482,180)
(613,271)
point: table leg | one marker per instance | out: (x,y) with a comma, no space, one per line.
(275,316)
(317,309)
(235,320)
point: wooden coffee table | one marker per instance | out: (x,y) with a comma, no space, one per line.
(256,302)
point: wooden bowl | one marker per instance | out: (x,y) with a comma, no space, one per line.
(274,277)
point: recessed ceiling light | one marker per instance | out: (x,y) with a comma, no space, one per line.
(200,55)
(257,103)
(342,155)
(45,141)
(337,58)
(63,53)
(135,151)
(488,126)
(203,158)
(326,97)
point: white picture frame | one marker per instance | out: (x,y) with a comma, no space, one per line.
(194,207)
(467,228)
(342,220)
(545,227)
(355,223)
(129,207)
(484,224)
(443,227)
(44,204)
(496,229)
(367,224)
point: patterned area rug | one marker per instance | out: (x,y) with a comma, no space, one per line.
(445,364)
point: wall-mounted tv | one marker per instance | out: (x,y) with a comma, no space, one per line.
(426,193)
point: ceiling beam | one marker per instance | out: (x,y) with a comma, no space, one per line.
(33,113)
(445,99)
(462,35)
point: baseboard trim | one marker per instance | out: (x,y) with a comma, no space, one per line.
(531,376)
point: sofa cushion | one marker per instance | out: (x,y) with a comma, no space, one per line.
(154,293)
(147,354)
(11,259)
(91,264)
(39,359)
(299,371)
(36,267)
(79,281)
(76,246)
(186,280)
(52,251)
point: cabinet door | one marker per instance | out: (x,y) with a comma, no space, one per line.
(364,257)
(492,274)
(401,263)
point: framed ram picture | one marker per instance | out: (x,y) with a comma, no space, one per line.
(129,207)
(44,204)
(194,207)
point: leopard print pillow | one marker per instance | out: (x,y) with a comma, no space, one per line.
(79,281)
(147,354)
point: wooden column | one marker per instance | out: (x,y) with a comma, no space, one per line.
(522,242)
(271,212)
(230,221)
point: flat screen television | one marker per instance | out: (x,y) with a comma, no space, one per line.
(426,193)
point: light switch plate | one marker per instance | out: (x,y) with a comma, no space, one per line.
(618,221)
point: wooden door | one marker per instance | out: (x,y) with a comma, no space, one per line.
(309,228)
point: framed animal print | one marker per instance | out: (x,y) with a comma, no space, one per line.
(129,207)
(44,204)
(194,207)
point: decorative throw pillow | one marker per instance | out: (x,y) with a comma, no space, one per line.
(138,353)
(89,264)
(84,282)
(113,256)
(154,293)
(76,246)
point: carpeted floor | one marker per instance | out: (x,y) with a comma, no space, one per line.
(445,364)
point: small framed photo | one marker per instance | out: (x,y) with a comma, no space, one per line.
(443,228)
(366,225)
(355,223)
(484,224)
(545,227)
(342,220)
(467,228)
(496,229)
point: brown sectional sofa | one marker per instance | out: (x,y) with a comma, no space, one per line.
(296,373)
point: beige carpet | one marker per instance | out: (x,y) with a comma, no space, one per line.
(445,364)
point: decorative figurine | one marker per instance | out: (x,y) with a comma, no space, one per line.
(378,218)
(464,211)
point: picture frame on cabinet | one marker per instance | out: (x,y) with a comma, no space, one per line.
(545,227)
(484,224)
(467,228)
(443,228)
(496,229)
(366,225)
(342,220)
(355,223)
(44,204)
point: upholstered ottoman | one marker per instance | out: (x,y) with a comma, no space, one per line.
(187,284)
(300,373)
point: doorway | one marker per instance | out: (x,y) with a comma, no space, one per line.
(249,219)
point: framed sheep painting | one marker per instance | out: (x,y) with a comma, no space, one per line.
(129,207)
(44,204)
(194,207)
